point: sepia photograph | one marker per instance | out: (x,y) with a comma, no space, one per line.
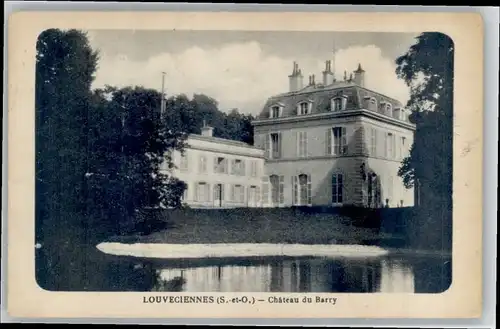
(203,164)
(237,161)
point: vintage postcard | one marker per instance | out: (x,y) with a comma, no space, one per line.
(271,165)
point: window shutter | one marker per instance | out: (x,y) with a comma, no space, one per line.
(309,191)
(294,190)
(282,190)
(226,165)
(344,103)
(306,149)
(340,183)
(279,144)
(267,142)
(296,137)
(328,139)
(233,167)
(207,191)
(386,142)
(257,194)
(243,168)
(231,196)
(196,188)
(344,140)
(215,164)
(265,190)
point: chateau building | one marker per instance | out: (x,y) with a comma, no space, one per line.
(334,142)
(219,173)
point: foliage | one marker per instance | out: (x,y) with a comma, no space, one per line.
(65,65)
(189,115)
(427,68)
(131,153)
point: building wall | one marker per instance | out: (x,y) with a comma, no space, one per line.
(193,173)
(321,166)
(386,164)
(320,171)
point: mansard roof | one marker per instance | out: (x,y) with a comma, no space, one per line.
(321,96)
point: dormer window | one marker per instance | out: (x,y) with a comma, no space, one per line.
(304,108)
(371,103)
(339,103)
(275,111)
(388,109)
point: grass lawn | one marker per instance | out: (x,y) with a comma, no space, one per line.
(255,226)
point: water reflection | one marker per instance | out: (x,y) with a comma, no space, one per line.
(384,274)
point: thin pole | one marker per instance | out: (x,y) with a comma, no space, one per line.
(162,108)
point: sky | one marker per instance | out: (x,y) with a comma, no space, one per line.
(242,69)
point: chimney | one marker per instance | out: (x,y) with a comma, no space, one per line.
(206,130)
(311,80)
(295,78)
(328,74)
(359,76)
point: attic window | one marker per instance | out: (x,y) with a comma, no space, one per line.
(275,111)
(371,103)
(388,109)
(304,108)
(339,103)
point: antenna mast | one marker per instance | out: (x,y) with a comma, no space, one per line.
(162,107)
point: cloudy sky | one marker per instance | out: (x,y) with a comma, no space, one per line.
(242,69)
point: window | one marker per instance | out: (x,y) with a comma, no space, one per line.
(185,194)
(302,143)
(336,141)
(339,104)
(220,165)
(218,193)
(388,109)
(254,168)
(402,147)
(184,162)
(389,142)
(238,194)
(303,108)
(274,146)
(203,164)
(275,112)
(277,189)
(302,190)
(253,196)
(202,192)
(371,103)
(337,189)
(238,167)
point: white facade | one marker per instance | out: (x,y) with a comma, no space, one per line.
(219,173)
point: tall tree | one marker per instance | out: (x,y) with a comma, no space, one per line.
(131,155)
(427,68)
(65,67)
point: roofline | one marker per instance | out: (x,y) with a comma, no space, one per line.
(351,84)
(219,140)
(341,114)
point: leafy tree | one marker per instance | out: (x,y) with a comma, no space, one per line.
(65,67)
(131,154)
(427,68)
(189,115)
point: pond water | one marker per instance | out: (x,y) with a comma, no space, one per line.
(380,274)
(350,273)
